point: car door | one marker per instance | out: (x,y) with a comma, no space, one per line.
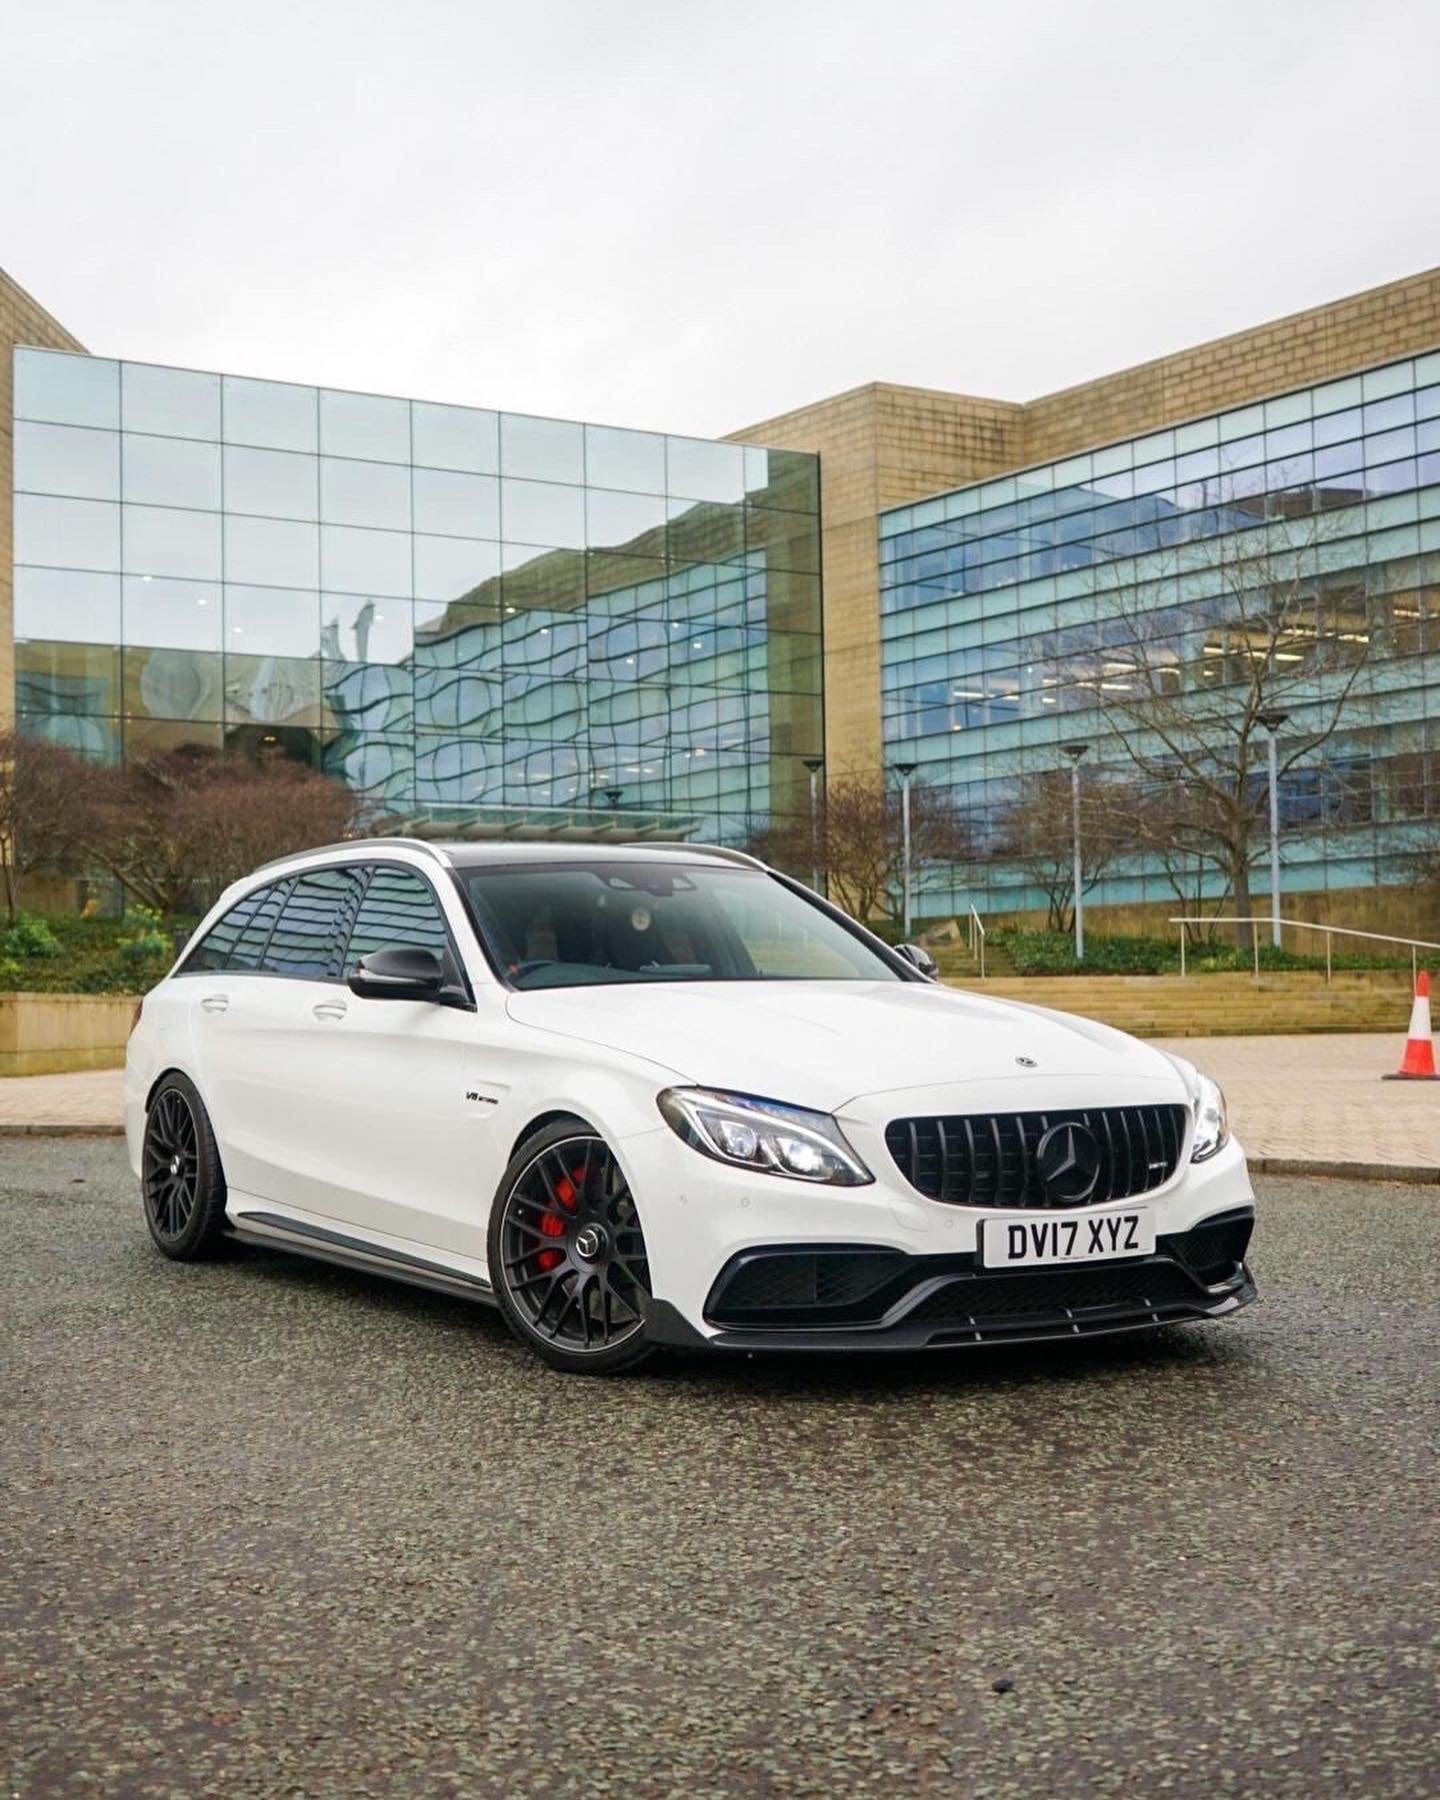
(407,1134)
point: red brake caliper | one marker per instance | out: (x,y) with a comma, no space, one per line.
(552,1223)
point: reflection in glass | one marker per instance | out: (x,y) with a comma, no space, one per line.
(275,415)
(171,471)
(452,771)
(67,534)
(456,504)
(66,388)
(631,521)
(536,578)
(787,540)
(98,740)
(278,551)
(364,493)
(162,737)
(456,437)
(53,677)
(449,568)
(168,541)
(369,697)
(787,480)
(279,483)
(365,628)
(64,459)
(68,604)
(381,767)
(541,450)
(364,425)
(272,690)
(705,531)
(542,512)
(173,614)
(357,561)
(173,684)
(172,402)
(700,470)
(268,621)
(634,460)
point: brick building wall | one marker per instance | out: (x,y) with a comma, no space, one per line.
(22,321)
(882,445)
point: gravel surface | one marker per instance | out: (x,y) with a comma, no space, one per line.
(273,1529)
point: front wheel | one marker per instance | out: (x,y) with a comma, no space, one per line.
(567,1254)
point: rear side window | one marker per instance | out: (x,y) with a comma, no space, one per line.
(399,910)
(308,942)
(249,950)
(213,950)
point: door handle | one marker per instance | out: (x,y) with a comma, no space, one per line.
(330,1009)
(214,1003)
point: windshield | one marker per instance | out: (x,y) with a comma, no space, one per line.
(585,923)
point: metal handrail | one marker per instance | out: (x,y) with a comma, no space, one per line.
(1414,945)
(977,935)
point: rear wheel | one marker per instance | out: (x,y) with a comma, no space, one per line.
(567,1254)
(181,1179)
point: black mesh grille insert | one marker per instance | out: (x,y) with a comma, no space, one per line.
(771,1284)
(1050,1291)
(989,1159)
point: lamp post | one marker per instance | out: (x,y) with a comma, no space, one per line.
(905,770)
(1272,721)
(815,764)
(1076,753)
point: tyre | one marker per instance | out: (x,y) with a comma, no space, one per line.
(567,1254)
(181,1180)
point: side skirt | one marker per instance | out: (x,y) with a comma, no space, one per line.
(273,1232)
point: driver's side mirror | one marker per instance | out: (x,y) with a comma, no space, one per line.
(920,958)
(400,974)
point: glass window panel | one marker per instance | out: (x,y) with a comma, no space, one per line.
(633,579)
(787,600)
(75,534)
(278,552)
(456,437)
(162,540)
(700,470)
(308,941)
(176,615)
(541,449)
(55,677)
(357,561)
(789,540)
(537,578)
(276,415)
(279,483)
(171,402)
(98,740)
(365,628)
(271,621)
(368,426)
(173,684)
(619,520)
(634,460)
(788,480)
(213,950)
(382,767)
(365,493)
(705,531)
(448,568)
(456,504)
(369,697)
(248,950)
(64,603)
(66,459)
(171,471)
(66,389)
(399,909)
(542,512)
(272,690)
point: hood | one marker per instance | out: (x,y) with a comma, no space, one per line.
(821,1043)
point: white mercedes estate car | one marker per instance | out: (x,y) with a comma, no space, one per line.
(639,1097)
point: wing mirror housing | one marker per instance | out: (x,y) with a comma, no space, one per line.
(404,973)
(920,958)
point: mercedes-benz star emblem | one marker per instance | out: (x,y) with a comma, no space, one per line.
(1068,1158)
(1026,1062)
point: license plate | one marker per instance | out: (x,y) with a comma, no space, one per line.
(1100,1237)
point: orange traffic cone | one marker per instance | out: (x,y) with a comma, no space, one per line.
(1418,1062)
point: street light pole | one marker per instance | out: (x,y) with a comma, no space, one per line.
(815,764)
(905,771)
(1076,753)
(1272,721)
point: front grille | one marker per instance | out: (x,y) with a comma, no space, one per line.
(989,1159)
(1147,1286)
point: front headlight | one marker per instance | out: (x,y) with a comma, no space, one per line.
(1212,1130)
(763,1135)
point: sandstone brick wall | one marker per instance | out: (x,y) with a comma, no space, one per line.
(22,321)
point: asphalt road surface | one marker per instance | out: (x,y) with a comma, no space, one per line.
(273,1529)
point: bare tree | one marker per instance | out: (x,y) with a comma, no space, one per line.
(1037,835)
(44,793)
(1271,635)
(175,829)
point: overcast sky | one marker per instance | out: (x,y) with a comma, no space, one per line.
(659,213)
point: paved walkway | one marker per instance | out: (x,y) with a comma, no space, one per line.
(1304,1099)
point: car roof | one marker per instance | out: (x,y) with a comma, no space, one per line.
(461,854)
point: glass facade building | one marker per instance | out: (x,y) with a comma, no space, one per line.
(455,610)
(1017,614)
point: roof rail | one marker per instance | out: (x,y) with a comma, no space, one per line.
(725,854)
(356,843)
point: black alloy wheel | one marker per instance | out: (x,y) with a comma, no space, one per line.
(567,1253)
(181,1180)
